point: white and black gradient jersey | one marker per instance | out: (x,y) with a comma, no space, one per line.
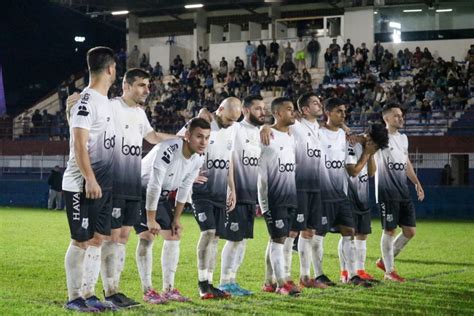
(215,166)
(276,173)
(308,155)
(333,164)
(391,175)
(246,158)
(92,112)
(165,169)
(358,188)
(131,126)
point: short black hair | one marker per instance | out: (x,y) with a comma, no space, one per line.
(278,102)
(99,58)
(333,103)
(248,100)
(379,135)
(198,122)
(389,106)
(132,74)
(303,100)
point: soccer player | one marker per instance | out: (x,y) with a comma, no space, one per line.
(360,166)
(337,213)
(277,195)
(173,164)
(392,194)
(87,182)
(212,199)
(239,223)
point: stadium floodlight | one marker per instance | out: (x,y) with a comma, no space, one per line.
(444,10)
(395,25)
(412,10)
(376,12)
(194,6)
(120,12)
(79,39)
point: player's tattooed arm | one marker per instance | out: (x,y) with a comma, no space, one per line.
(414,179)
(231,196)
(266,134)
(157,137)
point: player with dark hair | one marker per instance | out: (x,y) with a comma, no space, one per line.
(169,166)
(392,193)
(277,195)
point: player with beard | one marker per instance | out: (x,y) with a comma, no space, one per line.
(239,223)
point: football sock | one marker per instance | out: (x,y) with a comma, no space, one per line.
(348,253)
(269,275)
(386,244)
(361,254)
(288,255)
(212,258)
(227,260)
(119,263)
(144,256)
(73,262)
(317,250)
(399,243)
(169,263)
(92,262)
(202,253)
(342,265)
(304,251)
(239,258)
(108,267)
(278,262)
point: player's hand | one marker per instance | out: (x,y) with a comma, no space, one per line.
(266,134)
(93,190)
(370,148)
(205,114)
(231,201)
(71,100)
(176,228)
(153,226)
(419,192)
(201,178)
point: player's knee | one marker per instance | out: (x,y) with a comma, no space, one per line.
(80,244)
(97,240)
(147,236)
(347,231)
(210,234)
(279,240)
(409,233)
(307,234)
(390,232)
(293,234)
(361,237)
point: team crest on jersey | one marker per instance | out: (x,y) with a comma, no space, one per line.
(82,110)
(85,223)
(202,217)
(116,212)
(324,220)
(279,224)
(234,227)
(389,217)
(300,218)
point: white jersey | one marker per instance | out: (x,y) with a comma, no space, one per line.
(246,158)
(165,169)
(276,175)
(358,189)
(391,175)
(131,126)
(333,168)
(308,155)
(93,113)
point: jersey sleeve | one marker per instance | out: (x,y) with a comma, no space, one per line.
(262,184)
(185,188)
(83,113)
(158,171)
(146,124)
(351,157)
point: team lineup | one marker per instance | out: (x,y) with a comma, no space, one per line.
(308,178)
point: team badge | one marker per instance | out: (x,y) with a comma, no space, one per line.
(116,212)
(234,227)
(300,218)
(202,217)
(389,217)
(85,223)
(279,224)
(324,220)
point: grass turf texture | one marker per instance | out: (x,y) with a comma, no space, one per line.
(439,264)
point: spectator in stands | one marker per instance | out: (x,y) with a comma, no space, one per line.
(62,95)
(306,76)
(425,112)
(313,50)
(288,67)
(378,52)
(335,49)
(133,58)
(427,55)
(446,175)
(300,56)
(327,62)
(249,51)
(55,181)
(261,54)
(275,49)
(201,53)
(385,68)
(122,58)
(271,63)
(223,70)
(37,120)
(238,65)
(359,62)
(72,85)
(144,61)
(289,52)
(349,51)
(365,52)
(158,71)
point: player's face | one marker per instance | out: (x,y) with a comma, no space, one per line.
(256,113)
(314,108)
(227,118)
(198,140)
(286,114)
(139,91)
(337,116)
(394,118)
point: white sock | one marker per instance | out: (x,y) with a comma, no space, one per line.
(288,255)
(119,263)
(342,265)
(169,263)
(348,253)
(108,267)
(317,250)
(227,260)
(74,263)
(278,262)
(212,258)
(92,264)
(361,253)
(239,258)
(304,251)
(386,245)
(144,256)
(269,275)
(202,254)
(399,243)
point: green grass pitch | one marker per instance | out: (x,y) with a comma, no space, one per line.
(439,264)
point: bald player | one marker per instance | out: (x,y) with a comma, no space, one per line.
(213,198)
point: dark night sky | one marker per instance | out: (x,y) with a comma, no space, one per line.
(37,47)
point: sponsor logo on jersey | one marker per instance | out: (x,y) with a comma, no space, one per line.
(285,167)
(202,217)
(217,163)
(363,178)
(334,164)
(350,151)
(312,153)
(130,149)
(234,227)
(116,212)
(250,161)
(83,111)
(279,224)
(167,153)
(109,142)
(300,218)
(397,166)
(85,223)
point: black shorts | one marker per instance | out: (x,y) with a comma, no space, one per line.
(397,213)
(239,223)
(164,216)
(362,223)
(209,216)
(336,213)
(279,221)
(88,216)
(309,210)
(125,212)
